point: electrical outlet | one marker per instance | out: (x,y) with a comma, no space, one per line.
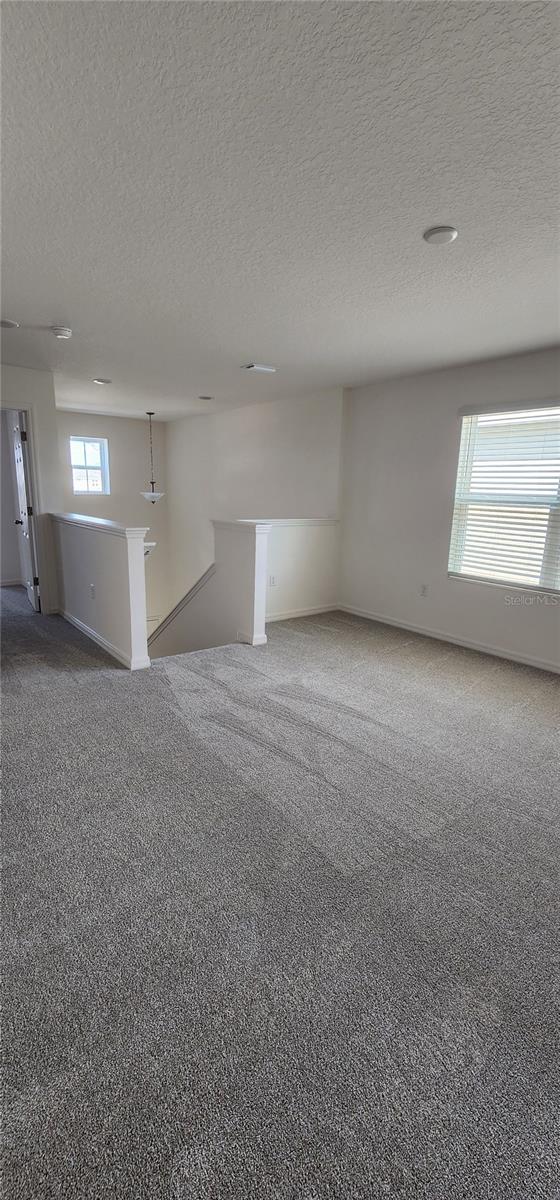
(423,589)
(273,581)
(92,590)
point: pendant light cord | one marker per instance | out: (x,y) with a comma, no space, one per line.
(152,495)
(152,480)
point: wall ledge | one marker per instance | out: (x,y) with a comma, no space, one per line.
(101,525)
(243,525)
(279,522)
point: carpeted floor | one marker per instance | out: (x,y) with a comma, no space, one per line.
(281,923)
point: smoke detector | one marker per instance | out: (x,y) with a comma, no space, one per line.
(61,331)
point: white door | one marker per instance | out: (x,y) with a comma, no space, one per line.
(24,520)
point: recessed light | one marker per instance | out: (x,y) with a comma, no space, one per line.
(61,331)
(9,324)
(101,382)
(259,367)
(440,235)
(205,397)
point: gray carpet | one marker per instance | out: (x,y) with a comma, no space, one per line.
(281,923)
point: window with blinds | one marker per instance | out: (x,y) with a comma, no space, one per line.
(506,519)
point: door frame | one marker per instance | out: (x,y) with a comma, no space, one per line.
(24,419)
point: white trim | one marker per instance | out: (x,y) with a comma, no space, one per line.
(132,664)
(290,521)
(533,588)
(101,525)
(103,444)
(301,612)
(12,583)
(257,526)
(258,639)
(542,663)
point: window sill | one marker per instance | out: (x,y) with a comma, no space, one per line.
(526,589)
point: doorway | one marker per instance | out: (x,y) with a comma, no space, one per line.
(18,511)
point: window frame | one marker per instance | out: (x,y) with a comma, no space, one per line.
(463,475)
(103,444)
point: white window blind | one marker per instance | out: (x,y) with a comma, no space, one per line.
(506,520)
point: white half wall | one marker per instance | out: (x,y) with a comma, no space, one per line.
(281,460)
(400,452)
(129,473)
(302,573)
(101,588)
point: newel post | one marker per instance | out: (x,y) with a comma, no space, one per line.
(241,549)
(258,637)
(139,657)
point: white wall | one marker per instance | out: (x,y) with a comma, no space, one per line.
(271,460)
(302,570)
(101,583)
(401,446)
(33,391)
(10,569)
(129,474)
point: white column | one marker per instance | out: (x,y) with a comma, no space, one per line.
(137,599)
(258,629)
(241,562)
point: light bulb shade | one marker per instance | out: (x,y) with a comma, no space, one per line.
(153,497)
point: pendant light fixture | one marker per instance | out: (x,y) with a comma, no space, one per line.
(152,495)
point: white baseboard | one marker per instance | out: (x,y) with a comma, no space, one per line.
(11,583)
(133,664)
(482,647)
(259,639)
(301,612)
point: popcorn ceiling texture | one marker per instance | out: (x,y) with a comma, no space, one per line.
(193,186)
(280,923)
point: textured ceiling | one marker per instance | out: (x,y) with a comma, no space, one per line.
(195,186)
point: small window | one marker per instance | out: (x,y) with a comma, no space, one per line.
(506,519)
(90,466)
